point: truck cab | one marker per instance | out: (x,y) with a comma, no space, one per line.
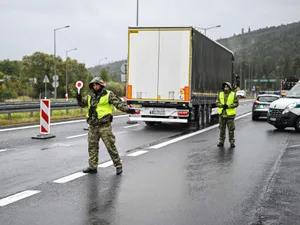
(285,112)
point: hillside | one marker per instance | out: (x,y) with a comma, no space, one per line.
(271,52)
(113,68)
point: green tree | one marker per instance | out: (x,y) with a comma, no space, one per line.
(104,75)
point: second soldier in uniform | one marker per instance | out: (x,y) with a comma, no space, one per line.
(227,103)
(101,103)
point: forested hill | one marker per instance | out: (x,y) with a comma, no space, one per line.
(271,52)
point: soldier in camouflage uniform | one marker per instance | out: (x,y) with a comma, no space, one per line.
(227,103)
(100,103)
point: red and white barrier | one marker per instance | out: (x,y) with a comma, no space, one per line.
(45,113)
(45,116)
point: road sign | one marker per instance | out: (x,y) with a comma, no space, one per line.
(55,77)
(46,80)
(79,85)
(123,78)
(124,68)
(55,84)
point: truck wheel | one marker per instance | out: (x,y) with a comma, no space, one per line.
(297,124)
(199,118)
(204,113)
(150,124)
(209,110)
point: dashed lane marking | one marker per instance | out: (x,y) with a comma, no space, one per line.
(69,178)
(137,153)
(16,197)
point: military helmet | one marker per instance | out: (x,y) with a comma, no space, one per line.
(96,80)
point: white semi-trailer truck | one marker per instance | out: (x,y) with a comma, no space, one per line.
(174,75)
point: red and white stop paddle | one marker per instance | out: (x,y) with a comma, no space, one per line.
(79,85)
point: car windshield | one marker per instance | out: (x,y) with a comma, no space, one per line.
(267,98)
(294,92)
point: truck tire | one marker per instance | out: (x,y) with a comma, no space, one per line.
(208,117)
(199,118)
(150,124)
(297,124)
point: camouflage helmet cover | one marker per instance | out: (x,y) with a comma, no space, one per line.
(96,80)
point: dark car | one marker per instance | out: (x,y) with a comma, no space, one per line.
(261,105)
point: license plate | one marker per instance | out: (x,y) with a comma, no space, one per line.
(272,119)
(158,112)
(266,106)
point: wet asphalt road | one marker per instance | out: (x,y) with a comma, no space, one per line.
(187,182)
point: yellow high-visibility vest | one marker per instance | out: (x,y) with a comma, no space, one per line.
(230,101)
(103,107)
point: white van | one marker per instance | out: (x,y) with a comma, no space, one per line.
(285,112)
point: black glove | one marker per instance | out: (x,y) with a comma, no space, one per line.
(225,106)
(131,111)
(78,97)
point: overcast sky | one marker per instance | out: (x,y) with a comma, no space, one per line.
(98,28)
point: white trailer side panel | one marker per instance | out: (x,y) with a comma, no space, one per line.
(143,55)
(174,63)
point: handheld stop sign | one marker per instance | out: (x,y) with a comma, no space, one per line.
(79,85)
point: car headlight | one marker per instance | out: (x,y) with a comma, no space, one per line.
(289,108)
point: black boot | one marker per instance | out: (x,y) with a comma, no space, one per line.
(232,145)
(90,170)
(221,144)
(119,170)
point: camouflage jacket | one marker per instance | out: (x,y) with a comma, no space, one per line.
(234,105)
(95,98)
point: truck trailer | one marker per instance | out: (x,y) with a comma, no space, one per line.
(174,75)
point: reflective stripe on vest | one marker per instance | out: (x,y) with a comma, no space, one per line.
(103,107)
(230,101)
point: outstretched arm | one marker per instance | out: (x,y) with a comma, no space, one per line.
(118,103)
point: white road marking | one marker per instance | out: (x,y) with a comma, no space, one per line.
(17,197)
(106,164)
(70,177)
(163,144)
(52,124)
(137,153)
(3,150)
(75,136)
(135,125)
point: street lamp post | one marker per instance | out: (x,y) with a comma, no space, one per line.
(73,49)
(100,63)
(55,80)
(208,28)
(101,60)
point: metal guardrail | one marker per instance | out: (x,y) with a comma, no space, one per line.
(34,107)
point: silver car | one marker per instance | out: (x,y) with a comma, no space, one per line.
(261,105)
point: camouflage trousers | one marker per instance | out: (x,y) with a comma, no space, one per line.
(229,122)
(105,133)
